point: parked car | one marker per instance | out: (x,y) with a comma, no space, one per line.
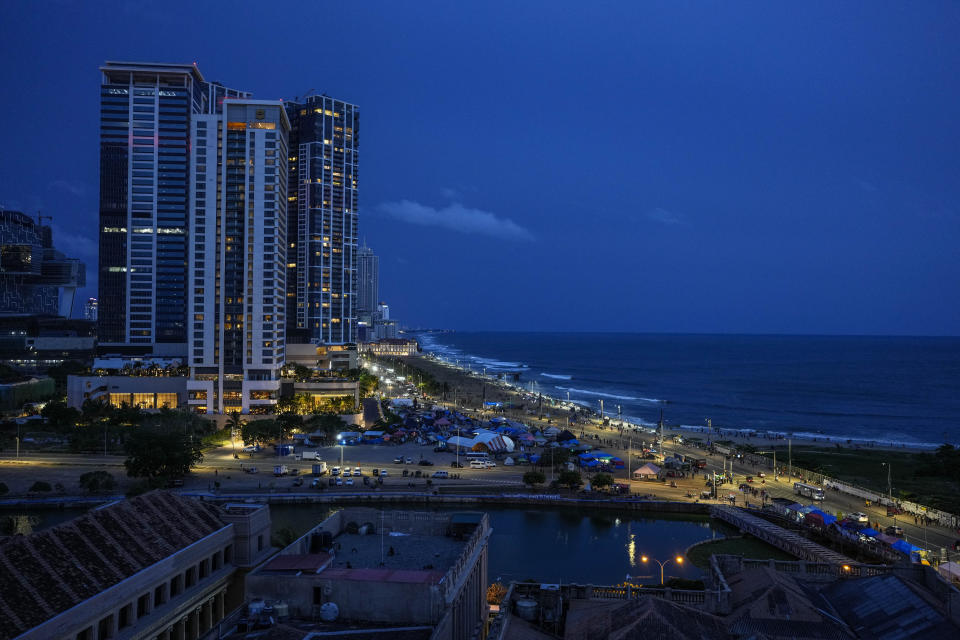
(859,517)
(398,460)
(298,482)
(347,473)
(456,465)
(441,474)
(425,463)
(490,464)
(335,471)
(409,460)
(250,470)
(384,473)
(894,530)
(376,472)
(348,482)
(357,472)
(339,482)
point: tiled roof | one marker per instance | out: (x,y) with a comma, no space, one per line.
(46,573)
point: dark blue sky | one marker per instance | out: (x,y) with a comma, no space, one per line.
(633,166)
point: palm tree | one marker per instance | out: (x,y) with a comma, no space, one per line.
(235,422)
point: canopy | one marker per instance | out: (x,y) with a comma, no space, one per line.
(457,441)
(494,442)
(565,435)
(873,533)
(648,469)
(905,547)
(442,422)
(887,538)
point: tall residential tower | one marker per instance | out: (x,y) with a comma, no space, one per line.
(146,110)
(237,274)
(322,219)
(368,283)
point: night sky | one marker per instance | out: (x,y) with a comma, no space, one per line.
(747,167)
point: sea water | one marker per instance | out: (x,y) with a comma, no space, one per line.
(880,389)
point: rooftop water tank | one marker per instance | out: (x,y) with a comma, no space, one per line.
(527,609)
(329,612)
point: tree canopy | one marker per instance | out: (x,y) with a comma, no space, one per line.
(157,452)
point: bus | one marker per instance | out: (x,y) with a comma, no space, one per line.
(476,455)
(808,491)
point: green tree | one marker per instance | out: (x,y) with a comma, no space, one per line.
(41,487)
(570,479)
(288,423)
(534,478)
(329,424)
(258,432)
(156,452)
(94,481)
(368,384)
(59,415)
(602,480)
(4,489)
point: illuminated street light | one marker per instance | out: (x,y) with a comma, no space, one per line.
(678,560)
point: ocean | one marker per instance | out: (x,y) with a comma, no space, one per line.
(862,388)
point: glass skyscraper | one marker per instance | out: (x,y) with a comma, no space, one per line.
(322,219)
(368,283)
(145,114)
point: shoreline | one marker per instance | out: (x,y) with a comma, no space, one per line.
(471,383)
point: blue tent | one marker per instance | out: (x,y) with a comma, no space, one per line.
(873,533)
(905,547)
(825,517)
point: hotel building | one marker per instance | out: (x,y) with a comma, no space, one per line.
(237,279)
(146,112)
(322,219)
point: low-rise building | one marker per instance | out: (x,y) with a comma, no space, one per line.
(329,357)
(155,566)
(392,347)
(143,392)
(401,568)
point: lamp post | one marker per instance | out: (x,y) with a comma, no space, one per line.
(889,483)
(678,560)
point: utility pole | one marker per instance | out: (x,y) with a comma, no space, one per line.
(601,410)
(790,458)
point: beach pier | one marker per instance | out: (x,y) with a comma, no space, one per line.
(779,537)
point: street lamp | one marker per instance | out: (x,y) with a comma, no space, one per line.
(678,560)
(889,483)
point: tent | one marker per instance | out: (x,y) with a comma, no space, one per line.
(819,518)
(873,533)
(950,571)
(565,435)
(905,547)
(890,540)
(457,441)
(646,472)
(494,442)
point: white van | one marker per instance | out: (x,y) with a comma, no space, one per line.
(478,464)
(441,474)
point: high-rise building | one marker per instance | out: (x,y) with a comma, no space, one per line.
(35,278)
(146,111)
(90,309)
(237,273)
(368,283)
(322,218)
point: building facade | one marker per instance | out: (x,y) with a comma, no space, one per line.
(35,278)
(368,283)
(90,308)
(237,277)
(323,222)
(146,111)
(93,578)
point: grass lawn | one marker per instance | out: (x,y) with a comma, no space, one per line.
(746,547)
(865,468)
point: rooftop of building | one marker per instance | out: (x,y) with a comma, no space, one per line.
(153,67)
(51,571)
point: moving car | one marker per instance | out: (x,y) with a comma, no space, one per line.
(859,517)
(489,464)
(425,463)
(398,460)
(376,472)
(339,482)
(348,482)
(441,474)
(894,530)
